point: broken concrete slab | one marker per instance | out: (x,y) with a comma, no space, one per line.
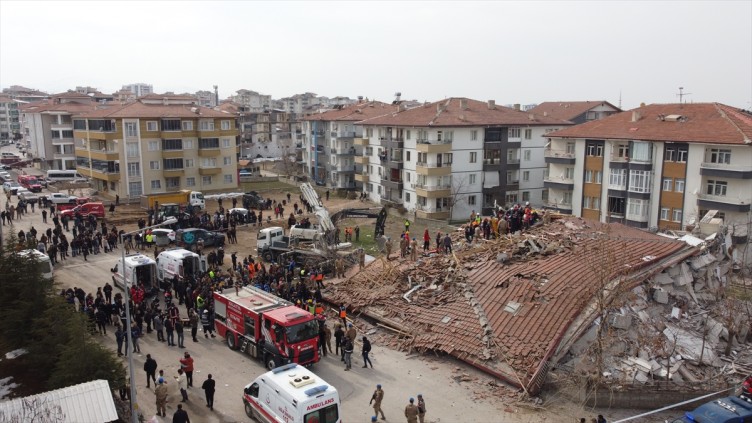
(660,296)
(690,345)
(701,261)
(621,321)
(663,279)
(684,277)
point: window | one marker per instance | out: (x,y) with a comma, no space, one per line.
(622,151)
(567,198)
(407,134)
(598,177)
(473,157)
(187,144)
(665,213)
(589,176)
(596,203)
(717,188)
(637,209)
(171,125)
(190,182)
(407,197)
(225,125)
(569,173)
(187,125)
(510,198)
(667,185)
(228,179)
(130,129)
(514,132)
(472,179)
(134,170)
(154,145)
(151,126)
(594,150)
(641,152)
(407,155)
(544,195)
(131,149)
(172,183)
(188,162)
(449,135)
(570,148)
(473,135)
(586,202)
(681,156)
(676,216)
(154,165)
(79,125)
(639,181)
(528,134)
(526,155)
(471,200)
(679,185)
(525,175)
(172,144)
(669,156)
(134,189)
(173,164)
(209,162)
(225,142)
(156,184)
(227,160)
(206,180)
(206,125)
(720,156)
(618,179)
(525,195)
(208,143)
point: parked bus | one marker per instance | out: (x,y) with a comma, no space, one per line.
(64,175)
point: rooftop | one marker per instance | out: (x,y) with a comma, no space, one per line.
(138,109)
(712,123)
(567,110)
(456,111)
(354,112)
(89,402)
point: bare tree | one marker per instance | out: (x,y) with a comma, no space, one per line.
(286,166)
(455,193)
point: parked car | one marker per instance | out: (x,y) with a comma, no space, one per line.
(11,187)
(22,191)
(244,173)
(6,167)
(28,196)
(169,233)
(191,236)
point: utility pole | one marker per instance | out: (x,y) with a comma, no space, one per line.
(216,96)
(682,94)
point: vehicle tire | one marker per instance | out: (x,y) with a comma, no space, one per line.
(230,338)
(268,256)
(269,362)
(249,411)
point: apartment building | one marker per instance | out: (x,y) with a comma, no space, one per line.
(657,166)
(139,89)
(252,101)
(329,150)
(23,94)
(575,111)
(156,145)
(10,125)
(48,128)
(445,159)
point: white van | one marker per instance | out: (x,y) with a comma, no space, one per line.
(178,262)
(291,394)
(138,268)
(43,261)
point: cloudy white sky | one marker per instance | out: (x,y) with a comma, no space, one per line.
(513,52)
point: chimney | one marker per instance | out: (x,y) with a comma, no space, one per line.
(463,104)
(636,115)
(531,116)
(517,106)
(545,114)
(491,104)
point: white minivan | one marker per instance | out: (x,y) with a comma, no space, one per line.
(291,394)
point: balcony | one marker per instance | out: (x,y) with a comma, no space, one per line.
(492,144)
(360,141)
(173,171)
(64,156)
(362,177)
(345,135)
(490,165)
(513,184)
(392,142)
(559,206)
(558,156)
(395,163)
(391,202)
(426,212)
(722,170)
(63,141)
(395,184)
(433,191)
(346,151)
(566,184)
(62,126)
(99,173)
(361,160)
(344,168)
(724,202)
(433,169)
(205,152)
(615,158)
(172,154)
(434,146)
(209,170)
(106,155)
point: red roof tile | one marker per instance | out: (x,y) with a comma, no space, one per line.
(141,110)
(567,110)
(353,112)
(712,123)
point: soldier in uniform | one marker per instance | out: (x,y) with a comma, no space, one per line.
(378,395)
(161,393)
(411,412)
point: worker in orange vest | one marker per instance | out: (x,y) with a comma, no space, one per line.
(343,315)
(320,279)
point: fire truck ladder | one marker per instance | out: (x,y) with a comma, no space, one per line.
(244,344)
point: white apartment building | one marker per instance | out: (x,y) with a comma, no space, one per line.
(139,89)
(445,159)
(658,166)
(9,118)
(252,101)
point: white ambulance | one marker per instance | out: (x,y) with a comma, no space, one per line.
(178,262)
(291,394)
(137,268)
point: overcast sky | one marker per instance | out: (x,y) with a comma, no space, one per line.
(513,52)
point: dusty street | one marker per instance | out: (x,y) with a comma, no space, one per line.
(454,392)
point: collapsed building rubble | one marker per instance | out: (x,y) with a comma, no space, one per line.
(520,305)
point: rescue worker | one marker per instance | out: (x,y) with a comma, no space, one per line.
(411,412)
(343,315)
(376,398)
(160,392)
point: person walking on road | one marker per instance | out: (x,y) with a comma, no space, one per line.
(411,412)
(366,350)
(421,408)
(339,346)
(348,349)
(160,392)
(193,316)
(179,332)
(186,363)
(208,387)
(150,367)
(182,384)
(376,398)
(119,335)
(170,329)
(180,416)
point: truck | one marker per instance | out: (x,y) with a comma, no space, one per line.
(30,182)
(193,200)
(732,409)
(60,198)
(178,262)
(272,242)
(266,327)
(253,200)
(291,394)
(136,269)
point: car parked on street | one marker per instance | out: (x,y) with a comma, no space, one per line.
(11,187)
(191,236)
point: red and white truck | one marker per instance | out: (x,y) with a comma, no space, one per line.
(266,327)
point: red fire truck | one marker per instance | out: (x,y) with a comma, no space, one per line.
(266,327)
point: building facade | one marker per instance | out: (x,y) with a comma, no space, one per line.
(154,146)
(139,89)
(658,166)
(575,111)
(10,121)
(444,160)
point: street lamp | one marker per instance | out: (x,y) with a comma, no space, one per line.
(170,221)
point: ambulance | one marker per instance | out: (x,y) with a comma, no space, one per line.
(291,394)
(136,269)
(178,262)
